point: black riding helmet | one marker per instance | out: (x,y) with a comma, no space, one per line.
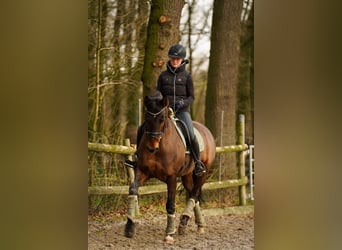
(177,51)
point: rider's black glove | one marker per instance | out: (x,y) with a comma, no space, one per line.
(179,104)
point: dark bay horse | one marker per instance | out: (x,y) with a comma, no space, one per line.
(162,155)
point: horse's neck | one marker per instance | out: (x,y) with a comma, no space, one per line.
(172,132)
(171,125)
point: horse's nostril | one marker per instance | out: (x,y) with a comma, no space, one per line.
(153,150)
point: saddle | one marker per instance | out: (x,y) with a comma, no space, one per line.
(183,132)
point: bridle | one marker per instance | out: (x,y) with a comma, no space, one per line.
(156,135)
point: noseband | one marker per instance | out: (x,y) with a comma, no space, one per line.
(158,134)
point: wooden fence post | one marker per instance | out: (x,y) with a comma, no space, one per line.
(241,159)
(127,143)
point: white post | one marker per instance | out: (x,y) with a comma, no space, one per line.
(251,170)
(241,155)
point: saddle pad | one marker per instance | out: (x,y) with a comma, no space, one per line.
(199,139)
(197,134)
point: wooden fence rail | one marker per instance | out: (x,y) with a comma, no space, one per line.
(159,188)
(128,150)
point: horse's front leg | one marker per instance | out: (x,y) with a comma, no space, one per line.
(170,208)
(132,206)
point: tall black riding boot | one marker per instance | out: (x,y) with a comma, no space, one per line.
(133,163)
(199,166)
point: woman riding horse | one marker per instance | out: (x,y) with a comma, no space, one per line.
(176,83)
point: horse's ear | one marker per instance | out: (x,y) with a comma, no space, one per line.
(166,101)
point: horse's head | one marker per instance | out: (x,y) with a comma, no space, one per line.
(155,119)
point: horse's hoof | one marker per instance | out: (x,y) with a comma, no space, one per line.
(129,229)
(169,239)
(200,230)
(129,234)
(181,229)
(182,225)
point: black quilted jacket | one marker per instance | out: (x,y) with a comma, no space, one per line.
(177,84)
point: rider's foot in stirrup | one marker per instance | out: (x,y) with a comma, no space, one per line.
(199,168)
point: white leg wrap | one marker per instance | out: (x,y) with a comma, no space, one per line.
(170,228)
(131,206)
(199,219)
(188,210)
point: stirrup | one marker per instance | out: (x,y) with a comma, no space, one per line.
(199,168)
(130,164)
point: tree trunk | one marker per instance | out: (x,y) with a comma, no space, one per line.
(223,77)
(134,90)
(162,33)
(245,89)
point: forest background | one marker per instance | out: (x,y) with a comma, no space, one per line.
(127,49)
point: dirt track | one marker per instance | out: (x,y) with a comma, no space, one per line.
(231,231)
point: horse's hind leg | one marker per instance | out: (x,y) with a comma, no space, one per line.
(199,220)
(186,215)
(193,188)
(188,184)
